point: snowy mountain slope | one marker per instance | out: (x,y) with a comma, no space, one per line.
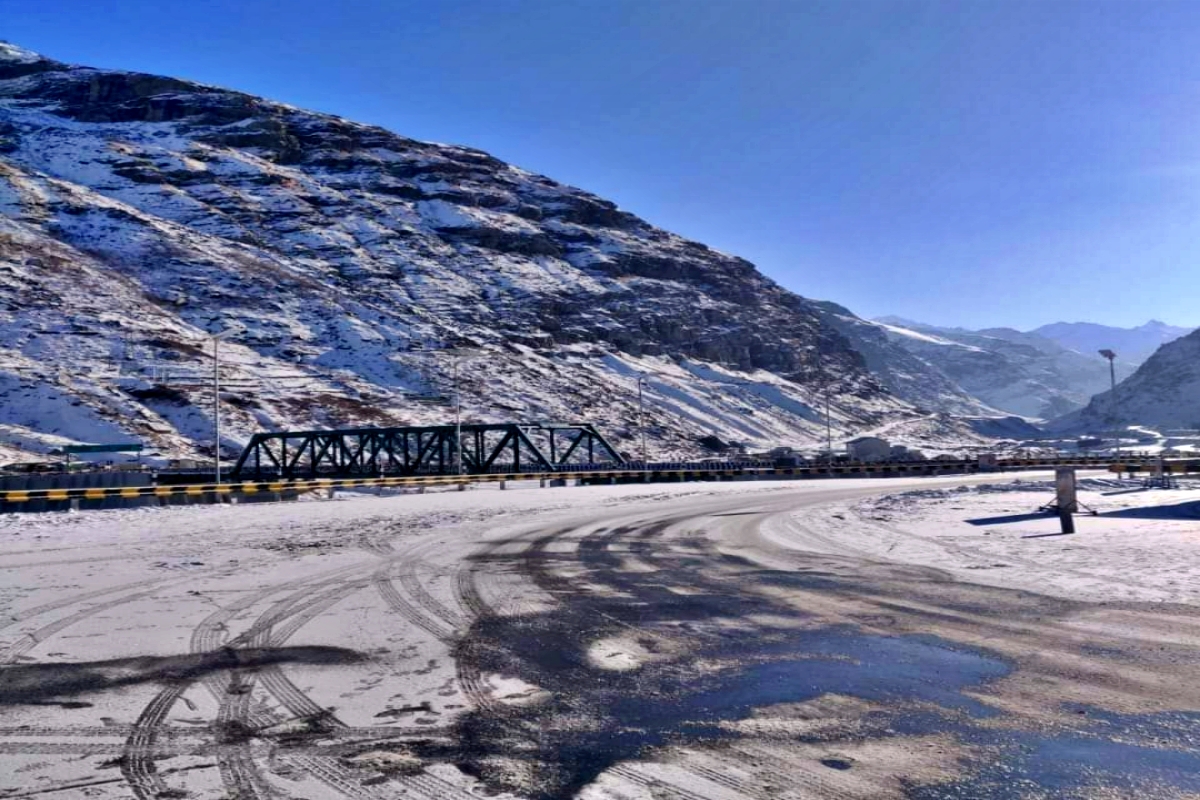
(139,214)
(1164,392)
(938,433)
(1016,372)
(904,372)
(1132,345)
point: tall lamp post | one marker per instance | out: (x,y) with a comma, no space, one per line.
(828,425)
(460,354)
(642,378)
(826,383)
(458,464)
(1112,376)
(216,341)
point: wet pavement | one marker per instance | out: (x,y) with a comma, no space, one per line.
(721,638)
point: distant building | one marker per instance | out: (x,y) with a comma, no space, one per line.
(868,448)
(901,453)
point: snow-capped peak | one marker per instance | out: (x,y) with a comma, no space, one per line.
(13,54)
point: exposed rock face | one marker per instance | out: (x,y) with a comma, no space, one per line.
(335,248)
(905,373)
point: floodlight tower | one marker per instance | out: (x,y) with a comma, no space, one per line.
(1112,377)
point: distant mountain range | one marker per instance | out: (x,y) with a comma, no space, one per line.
(1132,345)
(1044,373)
(1164,393)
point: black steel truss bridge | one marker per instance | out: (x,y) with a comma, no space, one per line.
(424,450)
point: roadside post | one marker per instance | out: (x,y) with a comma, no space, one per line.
(1067,501)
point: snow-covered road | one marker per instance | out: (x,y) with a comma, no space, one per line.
(609,642)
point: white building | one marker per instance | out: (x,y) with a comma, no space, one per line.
(868,448)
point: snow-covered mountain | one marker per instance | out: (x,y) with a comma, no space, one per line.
(139,214)
(1164,393)
(903,371)
(1132,345)
(1015,372)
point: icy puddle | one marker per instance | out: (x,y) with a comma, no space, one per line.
(593,718)
(1110,755)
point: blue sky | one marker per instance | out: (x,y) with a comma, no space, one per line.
(964,163)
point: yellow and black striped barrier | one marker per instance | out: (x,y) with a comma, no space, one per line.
(240,488)
(1154,466)
(652,475)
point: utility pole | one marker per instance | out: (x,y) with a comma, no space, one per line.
(642,420)
(1112,377)
(458,465)
(216,341)
(217,409)
(460,355)
(826,382)
(828,424)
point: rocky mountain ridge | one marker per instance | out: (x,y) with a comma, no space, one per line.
(1016,372)
(1132,345)
(140,214)
(1163,393)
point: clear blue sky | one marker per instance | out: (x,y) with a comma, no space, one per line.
(967,163)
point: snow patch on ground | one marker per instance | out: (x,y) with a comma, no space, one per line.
(1143,546)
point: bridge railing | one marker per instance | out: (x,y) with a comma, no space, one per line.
(677,471)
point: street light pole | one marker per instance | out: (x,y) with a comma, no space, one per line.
(642,420)
(460,355)
(825,383)
(217,409)
(458,468)
(216,342)
(828,425)
(457,355)
(1112,377)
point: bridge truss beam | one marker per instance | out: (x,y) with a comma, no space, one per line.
(422,450)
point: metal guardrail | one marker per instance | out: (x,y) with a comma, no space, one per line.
(650,475)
